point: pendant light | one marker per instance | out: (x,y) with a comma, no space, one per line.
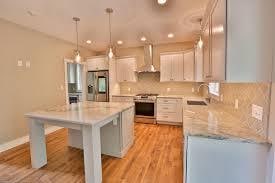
(200,43)
(77,52)
(110,51)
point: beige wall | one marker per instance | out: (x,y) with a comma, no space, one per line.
(23,89)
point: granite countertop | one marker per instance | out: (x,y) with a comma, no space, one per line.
(171,96)
(213,122)
(124,95)
(85,113)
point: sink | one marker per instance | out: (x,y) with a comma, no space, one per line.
(192,102)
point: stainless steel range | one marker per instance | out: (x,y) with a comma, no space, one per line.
(145,108)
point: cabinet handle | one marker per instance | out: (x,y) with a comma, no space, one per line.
(165,108)
(209,76)
(165,101)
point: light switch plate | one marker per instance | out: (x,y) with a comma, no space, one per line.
(257,112)
(236,104)
(28,64)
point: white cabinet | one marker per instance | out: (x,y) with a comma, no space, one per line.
(97,63)
(177,66)
(126,69)
(199,64)
(127,122)
(122,99)
(169,110)
(189,65)
(223,161)
(237,41)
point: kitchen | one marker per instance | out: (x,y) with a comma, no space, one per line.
(187,98)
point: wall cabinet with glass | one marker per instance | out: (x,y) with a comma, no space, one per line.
(237,41)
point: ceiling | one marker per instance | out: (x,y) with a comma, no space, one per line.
(131,19)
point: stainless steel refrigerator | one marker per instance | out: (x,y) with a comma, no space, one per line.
(98,86)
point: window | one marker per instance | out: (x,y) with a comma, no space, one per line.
(214,89)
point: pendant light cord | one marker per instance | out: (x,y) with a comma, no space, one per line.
(110,28)
(76,27)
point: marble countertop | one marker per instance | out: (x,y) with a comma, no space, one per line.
(85,113)
(213,122)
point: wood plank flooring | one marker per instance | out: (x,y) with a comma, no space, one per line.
(156,157)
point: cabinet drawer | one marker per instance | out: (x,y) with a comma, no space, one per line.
(171,117)
(168,100)
(167,107)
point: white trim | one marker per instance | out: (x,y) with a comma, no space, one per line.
(22,140)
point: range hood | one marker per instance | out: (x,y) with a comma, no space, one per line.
(148,59)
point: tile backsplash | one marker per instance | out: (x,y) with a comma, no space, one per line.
(247,94)
(150,83)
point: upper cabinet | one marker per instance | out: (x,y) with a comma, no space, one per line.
(126,69)
(189,65)
(238,41)
(97,63)
(177,66)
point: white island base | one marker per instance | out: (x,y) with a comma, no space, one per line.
(95,127)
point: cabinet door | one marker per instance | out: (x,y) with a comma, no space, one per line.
(218,41)
(198,64)
(177,67)
(189,63)
(131,70)
(126,69)
(120,70)
(206,52)
(96,64)
(127,127)
(165,68)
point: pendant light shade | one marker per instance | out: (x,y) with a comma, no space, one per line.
(77,52)
(200,43)
(111,49)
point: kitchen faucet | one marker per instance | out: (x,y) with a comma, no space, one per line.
(208,99)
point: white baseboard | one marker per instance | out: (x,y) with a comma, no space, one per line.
(22,140)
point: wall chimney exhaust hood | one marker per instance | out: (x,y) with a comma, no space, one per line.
(148,59)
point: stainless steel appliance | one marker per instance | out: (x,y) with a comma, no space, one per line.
(145,108)
(98,86)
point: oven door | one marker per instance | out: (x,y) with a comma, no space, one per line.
(145,112)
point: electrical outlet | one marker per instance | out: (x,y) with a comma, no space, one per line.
(193,90)
(236,104)
(19,63)
(257,112)
(168,89)
(129,89)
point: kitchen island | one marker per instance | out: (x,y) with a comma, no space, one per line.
(218,147)
(97,127)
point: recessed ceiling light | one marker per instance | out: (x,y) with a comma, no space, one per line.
(170,35)
(143,38)
(88,41)
(119,42)
(162,2)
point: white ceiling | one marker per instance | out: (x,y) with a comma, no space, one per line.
(131,19)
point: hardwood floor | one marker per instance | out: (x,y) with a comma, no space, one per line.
(155,157)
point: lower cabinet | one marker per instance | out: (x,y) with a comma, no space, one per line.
(116,137)
(169,110)
(223,161)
